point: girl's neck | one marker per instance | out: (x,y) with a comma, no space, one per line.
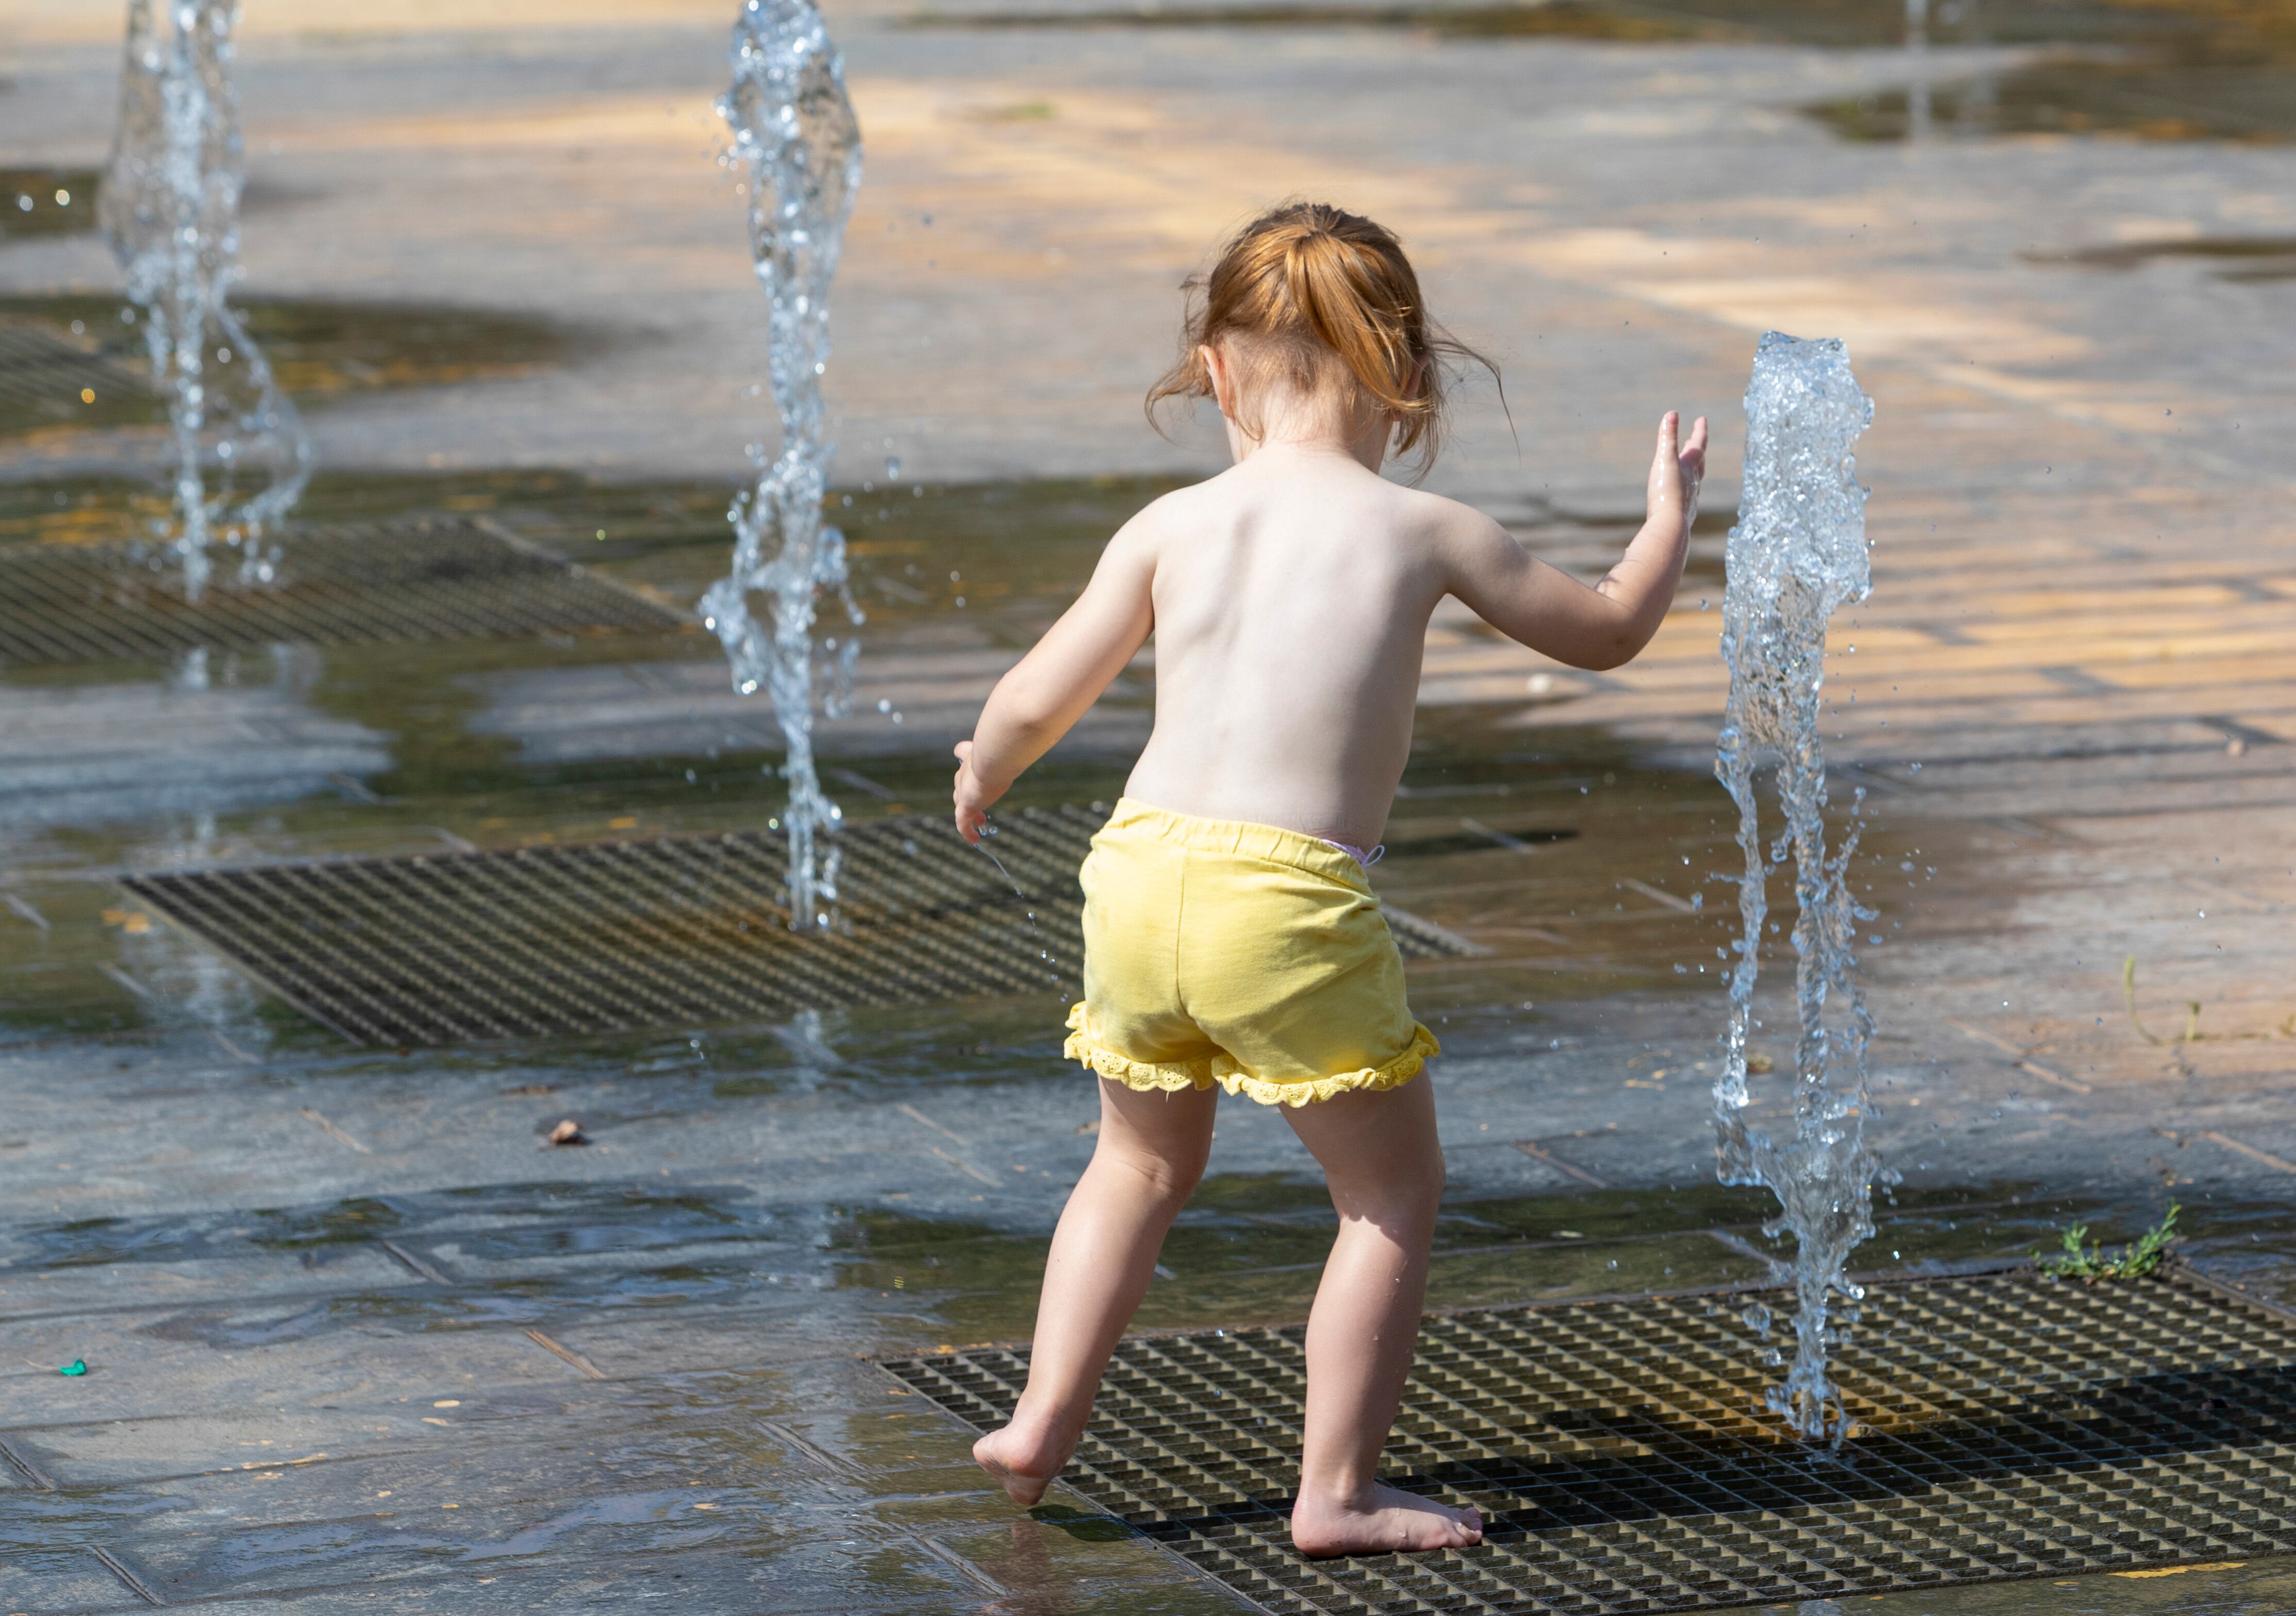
(1366,447)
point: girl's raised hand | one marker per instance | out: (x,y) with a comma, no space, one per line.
(972,799)
(1676,471)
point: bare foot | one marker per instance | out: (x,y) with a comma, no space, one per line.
(1022,1468)
(1384,1522)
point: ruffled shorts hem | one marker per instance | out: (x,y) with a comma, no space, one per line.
(1172,1076)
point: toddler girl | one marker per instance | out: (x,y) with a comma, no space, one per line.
(1231,940)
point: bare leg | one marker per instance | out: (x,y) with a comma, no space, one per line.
(1379,1152)
(1151,1151)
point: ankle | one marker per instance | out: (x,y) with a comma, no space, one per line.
(1336,1492)
(1039,1442)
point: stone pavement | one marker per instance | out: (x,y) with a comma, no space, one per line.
(357,1339)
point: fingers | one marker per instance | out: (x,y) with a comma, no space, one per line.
(1697,444)
(967,816)
(1666,482)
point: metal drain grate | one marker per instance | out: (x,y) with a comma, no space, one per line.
(670,931)
(2013,1427)
(416,579)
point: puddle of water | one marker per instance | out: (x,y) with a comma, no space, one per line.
(2234,30)
(2148,71)
(2232,258)
(496,1222)
(1557,19)
(1250,1248)
(2140,100)
(2151,69)
(317,349)
(683,1247)
(2257,1587)
(47,201)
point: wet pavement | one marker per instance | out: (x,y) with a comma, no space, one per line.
(303,1275)
(358,1336)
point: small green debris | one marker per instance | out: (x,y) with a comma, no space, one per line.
(2192,1033)
(2091,1263)
(78,1365)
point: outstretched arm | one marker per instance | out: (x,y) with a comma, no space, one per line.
(1550,611)
(1036,705)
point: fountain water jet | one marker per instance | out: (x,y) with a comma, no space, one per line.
(795,132)
(1797,553)
(169,208)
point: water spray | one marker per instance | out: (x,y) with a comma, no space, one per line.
(169,208)
(1798,554)
(796,140)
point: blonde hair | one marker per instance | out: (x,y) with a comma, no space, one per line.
(1326,301)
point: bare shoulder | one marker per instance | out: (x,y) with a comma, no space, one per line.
(1456,533)
(1183,511)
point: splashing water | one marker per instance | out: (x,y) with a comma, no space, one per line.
(795,134)
(1797,553)
(169,208)
(1051,961)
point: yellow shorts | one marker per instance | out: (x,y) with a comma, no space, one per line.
(1242,955)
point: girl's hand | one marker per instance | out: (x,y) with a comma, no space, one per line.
(972,796)
(1676,471)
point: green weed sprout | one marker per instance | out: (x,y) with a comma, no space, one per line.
(2093,1264)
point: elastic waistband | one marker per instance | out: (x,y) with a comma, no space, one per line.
(1241,837)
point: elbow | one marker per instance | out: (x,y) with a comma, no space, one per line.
(1027,711)
(1034,717)
(1611,651)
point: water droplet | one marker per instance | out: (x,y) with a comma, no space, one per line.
(892,469)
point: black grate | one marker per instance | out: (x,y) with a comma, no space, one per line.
(415,578)
(2010,1427)
(674,930)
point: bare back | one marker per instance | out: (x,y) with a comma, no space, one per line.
(1291,595)
(1289,599)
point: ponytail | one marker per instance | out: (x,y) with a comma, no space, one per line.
(1326,301)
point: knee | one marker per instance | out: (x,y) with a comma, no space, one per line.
(1421,1197)
(1166,1179)
(1405,1200)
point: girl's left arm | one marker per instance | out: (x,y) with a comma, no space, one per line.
(1037,703)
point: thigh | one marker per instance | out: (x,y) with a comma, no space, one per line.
(1171,1126)
(1378,1148)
